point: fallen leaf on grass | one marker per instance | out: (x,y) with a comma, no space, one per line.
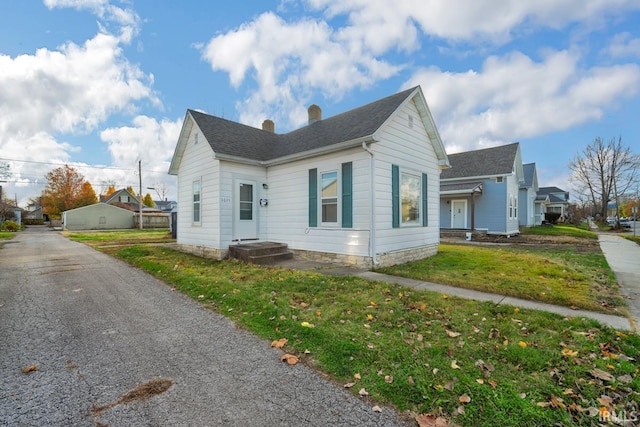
(279,343)
(522,344)
(307,325)
(601,375)
(388,379)
(452,334)
(363,392)
(357,376)
(464,398)
(567,352)
(557,402)
(626,379)
(430,420)
(29,369)
(454,365)
(289,358)
(349,385)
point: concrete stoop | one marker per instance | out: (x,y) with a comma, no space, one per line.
(260,252)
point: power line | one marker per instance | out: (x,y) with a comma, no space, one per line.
(74,165)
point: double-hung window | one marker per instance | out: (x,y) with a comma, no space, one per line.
(329,197)
(408,198)
(196,201)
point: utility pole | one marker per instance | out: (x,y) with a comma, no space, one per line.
(140,193)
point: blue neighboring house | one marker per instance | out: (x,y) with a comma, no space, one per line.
(531,204)
(480,191)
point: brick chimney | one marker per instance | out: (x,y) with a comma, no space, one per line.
(269,126)
(315,114)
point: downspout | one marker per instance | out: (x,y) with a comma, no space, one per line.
(372,213)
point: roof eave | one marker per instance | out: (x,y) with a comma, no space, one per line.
(182,144)
(319,151)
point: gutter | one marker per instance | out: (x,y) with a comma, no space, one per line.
(372,213)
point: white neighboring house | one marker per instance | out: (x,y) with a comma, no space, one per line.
(359,188)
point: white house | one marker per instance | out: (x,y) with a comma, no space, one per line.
(360,188)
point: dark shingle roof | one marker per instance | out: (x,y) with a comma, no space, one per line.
(485,162)
(528,169)
(235,139)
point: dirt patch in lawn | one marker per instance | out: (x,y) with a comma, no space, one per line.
(536,241)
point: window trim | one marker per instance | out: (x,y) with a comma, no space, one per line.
(396,203)
(337,197)
(196,184)
(418,221)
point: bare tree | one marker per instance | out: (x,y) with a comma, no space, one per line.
(161,190)
(603,172)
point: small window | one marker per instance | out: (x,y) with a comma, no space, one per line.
(195,139)
(499,179)
(410,121)
(102,220)
(196,201)
(329,196)
(410,199)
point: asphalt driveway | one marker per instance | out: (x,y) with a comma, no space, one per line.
(107,344)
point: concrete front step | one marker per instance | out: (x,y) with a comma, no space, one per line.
(260,252)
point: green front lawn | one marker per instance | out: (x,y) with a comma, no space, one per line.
(6,234)
(560,230)
(557,274)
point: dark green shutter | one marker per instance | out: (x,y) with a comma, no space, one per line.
(425,202)
(395,195)
(347,195)
(313,197)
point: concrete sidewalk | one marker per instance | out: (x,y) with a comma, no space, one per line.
(623,257)
(620,253)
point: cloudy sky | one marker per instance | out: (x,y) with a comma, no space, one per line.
(103,84)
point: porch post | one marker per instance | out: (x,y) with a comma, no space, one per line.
(473,211)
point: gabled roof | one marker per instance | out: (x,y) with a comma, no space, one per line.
(234,141)
(118,193)
(530,176)
(488,162)
(555,194)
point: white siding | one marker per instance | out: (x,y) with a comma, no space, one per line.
(229,173)
(288,209)
(198,163)
(410,149)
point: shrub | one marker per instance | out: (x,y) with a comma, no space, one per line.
(33,221)
(10,226)
(552,217)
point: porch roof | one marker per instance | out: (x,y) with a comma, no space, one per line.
(460,188)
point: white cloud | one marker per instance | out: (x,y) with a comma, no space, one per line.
(149,140)
(624,46)
(463,19)
(71,90)
(103,9)
(289,61)
(512,97)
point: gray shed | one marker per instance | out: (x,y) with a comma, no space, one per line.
(100,216)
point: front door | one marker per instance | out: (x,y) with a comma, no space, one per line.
(245,221)
(458,214)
